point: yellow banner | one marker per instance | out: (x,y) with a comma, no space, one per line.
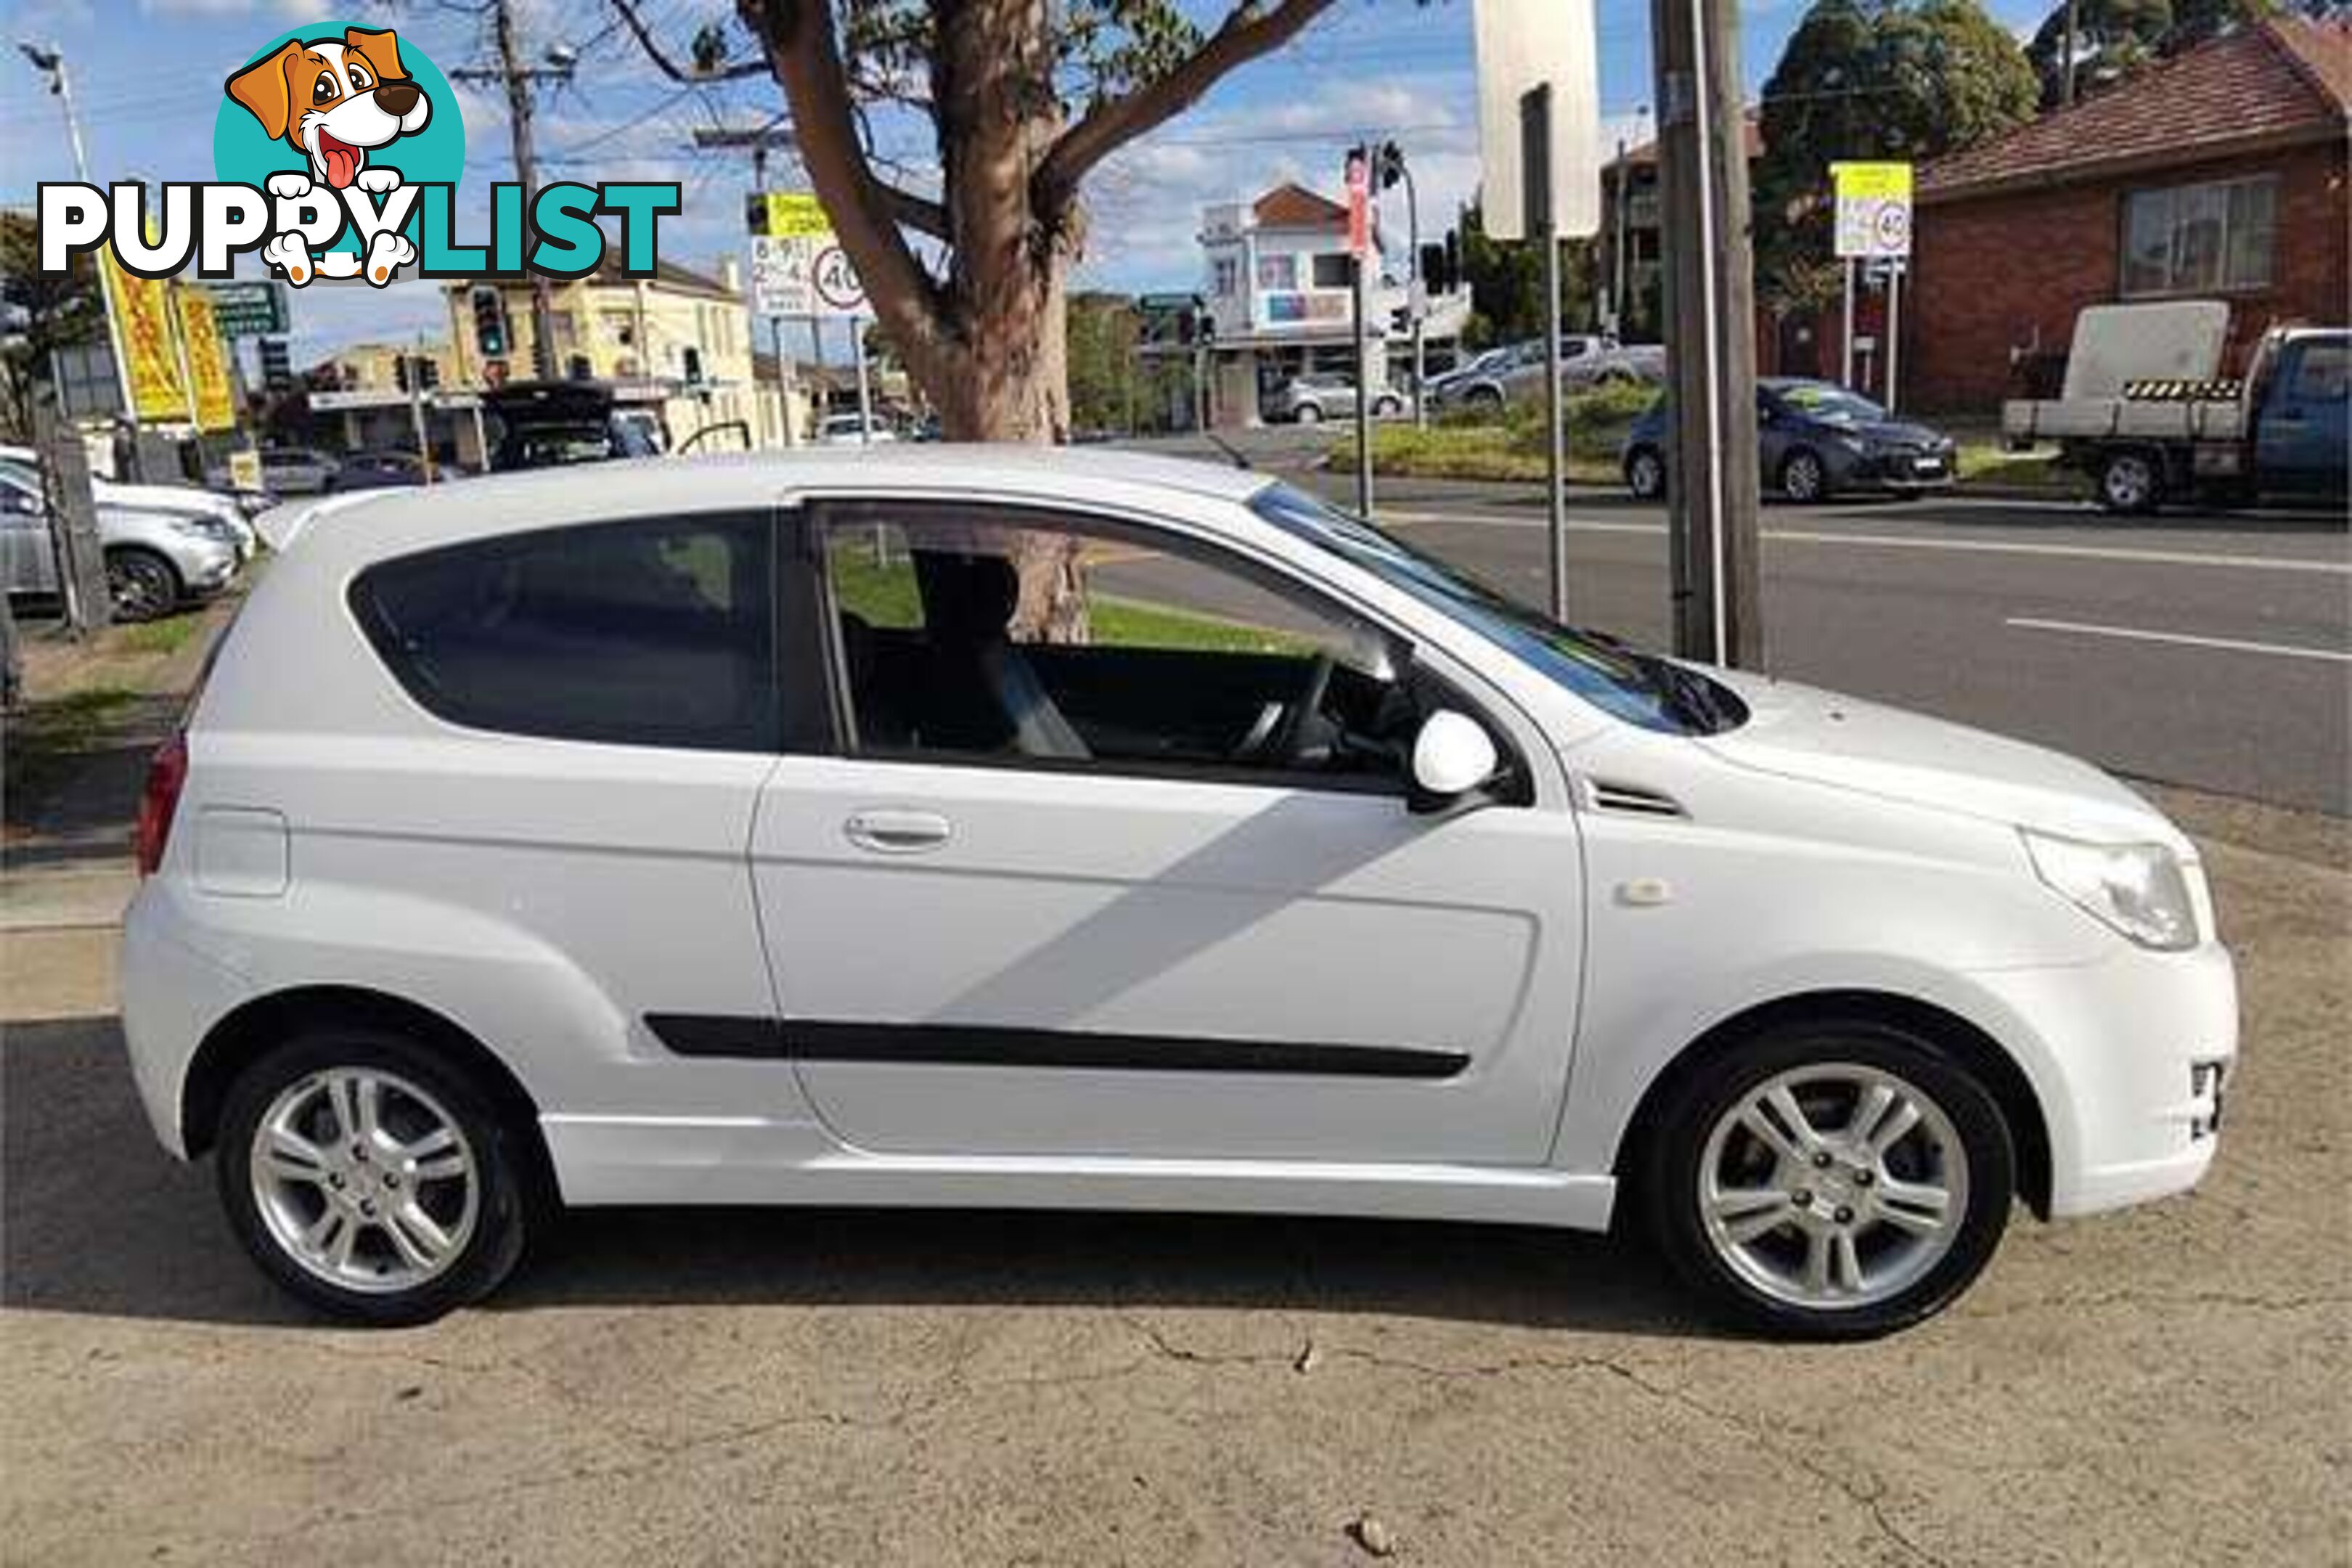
(208,360)
(794,215)
(143,310)
(1872,181)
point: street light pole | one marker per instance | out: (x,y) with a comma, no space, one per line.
(51,62)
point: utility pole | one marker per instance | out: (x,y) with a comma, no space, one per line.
(518,80)
(2066,56)
(1360,245)
(1711,331)
(759,138)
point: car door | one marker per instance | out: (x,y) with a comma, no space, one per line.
(1143,899)
(26,564)
(2305,424)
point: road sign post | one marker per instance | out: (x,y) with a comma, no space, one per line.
(1359,244)
(1873,226)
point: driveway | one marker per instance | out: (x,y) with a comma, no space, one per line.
(2164,1386)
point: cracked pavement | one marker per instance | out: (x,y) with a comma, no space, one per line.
(2164,1386)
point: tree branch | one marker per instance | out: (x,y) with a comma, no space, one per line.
(1251,29)
(909,210)
(671,68)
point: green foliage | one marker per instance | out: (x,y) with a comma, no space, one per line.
(1506,280)
(2112,38)
(58,312)
(1907,79)
(1101,48)
(1512,447)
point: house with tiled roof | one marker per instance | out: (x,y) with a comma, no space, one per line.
(1278,295)
(2219,173)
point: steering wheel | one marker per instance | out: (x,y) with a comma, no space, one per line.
(1303,710)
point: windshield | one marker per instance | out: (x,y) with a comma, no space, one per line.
(1819,400)
(1626,683)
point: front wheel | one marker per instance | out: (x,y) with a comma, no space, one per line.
(142,585)
(369,1177)
(1833,1181)
(1308,414)
(1387,408)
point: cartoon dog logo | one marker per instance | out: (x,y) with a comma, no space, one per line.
(333,101)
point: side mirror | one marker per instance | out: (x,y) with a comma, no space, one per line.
(1451,756)
(18,503)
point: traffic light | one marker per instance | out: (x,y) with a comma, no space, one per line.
(276,365)
(1387,166)
(490,323)
(400,372)
(1440,264)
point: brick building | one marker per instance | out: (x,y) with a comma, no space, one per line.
(2218,174)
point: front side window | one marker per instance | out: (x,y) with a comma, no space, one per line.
(1177,663)
(2322,374)
(2188,239)
(648,633)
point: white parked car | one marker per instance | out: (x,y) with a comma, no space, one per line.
(853,430)
(711,832)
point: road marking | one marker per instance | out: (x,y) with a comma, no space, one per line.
(1907,542)
(2230,644)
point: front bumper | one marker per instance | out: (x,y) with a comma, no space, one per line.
(2133,1059)
(1902,470)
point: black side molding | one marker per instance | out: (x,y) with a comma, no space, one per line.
(971,1045)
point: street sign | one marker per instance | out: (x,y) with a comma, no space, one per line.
(1873,209)
(838,291)
(1522,45)
(780,277)
(254,310)
(787,215)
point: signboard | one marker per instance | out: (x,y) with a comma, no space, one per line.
(1359,201)
(1873,209)
(207,362)
(798,269)
(788,215)
(143,310)
(1522,45)
(255,310)
(244,469)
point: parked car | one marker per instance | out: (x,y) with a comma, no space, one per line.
(1814,440)
(1586,360)
(298,470)
(556,424)
(852,430)
(229,507)
(1309,399)
(156,561)
(377,470)
(695,833)
(1443,385)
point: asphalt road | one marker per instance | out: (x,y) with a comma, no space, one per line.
(2214,652)
(2163,1386)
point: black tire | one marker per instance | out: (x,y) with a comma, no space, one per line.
(1667,1170)
(2130,483)
(1387,407)
(1645,473)
(1308,414)
(501,1214)
(142,585)
(1804,477)
(1484,399)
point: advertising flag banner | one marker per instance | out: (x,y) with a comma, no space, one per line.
(207,362)
(143,308)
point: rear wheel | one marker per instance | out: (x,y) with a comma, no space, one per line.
(1803,477)
(2130,483)
(1484,399)
(1387,407)
(367,1175)
(142,585)
(1829,1181)
(1308,414)
(1645,473)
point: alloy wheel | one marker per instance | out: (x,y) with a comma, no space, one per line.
(1834,1186)
(140,587)
(364,1180)
(2127,483)
(1800,477)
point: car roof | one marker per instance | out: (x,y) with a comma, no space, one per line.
(377,522)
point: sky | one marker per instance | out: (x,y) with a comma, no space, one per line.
(147,79)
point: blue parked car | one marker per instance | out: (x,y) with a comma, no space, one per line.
(1814,439)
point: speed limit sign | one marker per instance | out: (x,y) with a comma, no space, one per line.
(838,291)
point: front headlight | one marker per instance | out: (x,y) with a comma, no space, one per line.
(1854,444)
(2138,889)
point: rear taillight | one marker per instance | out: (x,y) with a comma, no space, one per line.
(166,771)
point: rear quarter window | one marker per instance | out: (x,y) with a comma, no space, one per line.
(649,634)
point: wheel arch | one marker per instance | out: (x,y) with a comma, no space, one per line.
(252,1027)
(1992,1064)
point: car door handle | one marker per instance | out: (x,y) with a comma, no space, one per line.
(897,832)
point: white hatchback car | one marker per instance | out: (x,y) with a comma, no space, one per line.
(724,831)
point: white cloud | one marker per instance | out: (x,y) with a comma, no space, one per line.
(290,10)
